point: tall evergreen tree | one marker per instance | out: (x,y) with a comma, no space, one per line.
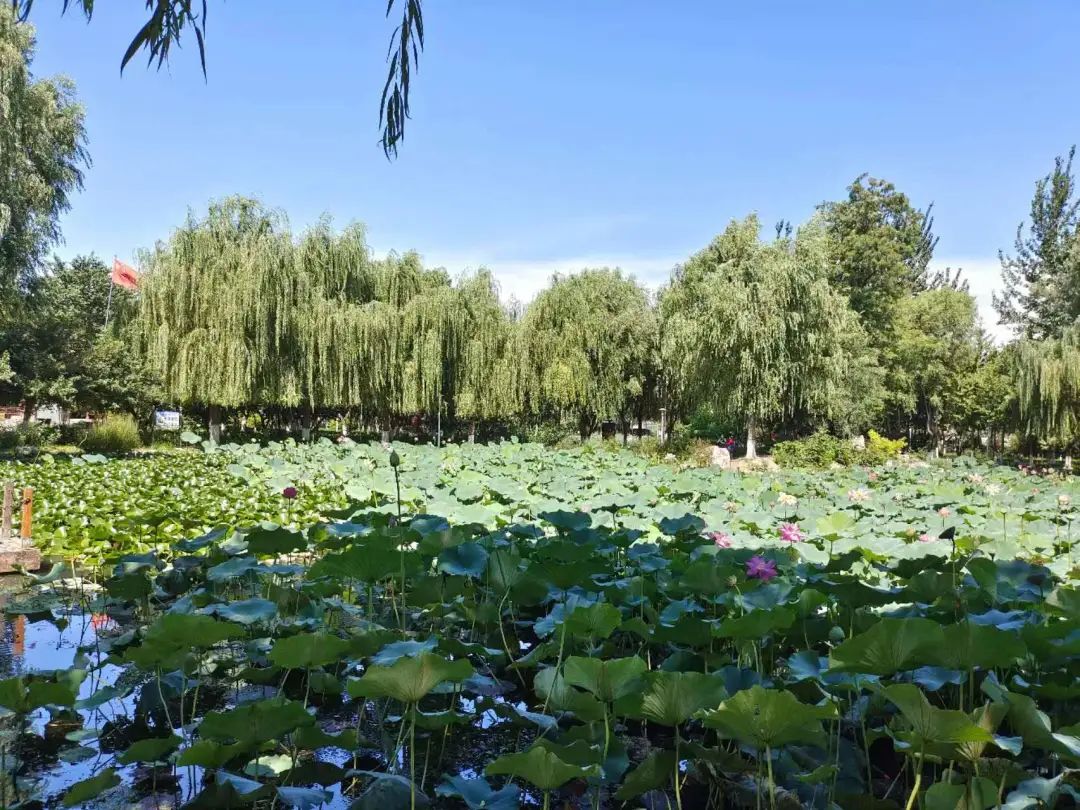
(880,246)
(1041,295)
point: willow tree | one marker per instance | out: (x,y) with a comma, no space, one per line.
(42,155)
(755,329)
(483,354)
(1048,387)
(587,347)
(217,309)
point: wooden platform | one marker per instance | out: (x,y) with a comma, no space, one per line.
(16,548)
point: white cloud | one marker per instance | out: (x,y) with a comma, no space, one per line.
(983,275)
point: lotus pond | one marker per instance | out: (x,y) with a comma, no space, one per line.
(509,626)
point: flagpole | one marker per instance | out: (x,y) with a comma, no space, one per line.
(108,303)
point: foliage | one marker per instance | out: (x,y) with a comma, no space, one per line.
(234,312)
(879,449)
(593,655)
(588,344)
(42,154)
(169,21)
(937,342)
(1041,296)
(116,433)
(880,246)
(756,329)
(1049,387)
(816,452)
(26,435)
(61,352)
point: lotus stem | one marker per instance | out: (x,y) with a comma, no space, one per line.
(917,784)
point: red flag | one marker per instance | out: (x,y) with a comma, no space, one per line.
(125,275)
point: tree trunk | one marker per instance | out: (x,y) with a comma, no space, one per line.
(29,406)
(751,446)
(1068,462)
(307,419)
(586,426)
(214,423)
(472,432)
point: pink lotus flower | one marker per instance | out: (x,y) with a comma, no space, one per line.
(944,512)
(872,476)
(790,533)
(758,567)
(721,539)
(925,538)
(289,492)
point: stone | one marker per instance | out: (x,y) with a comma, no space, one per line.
(15,552)
(720,457)
(859,443)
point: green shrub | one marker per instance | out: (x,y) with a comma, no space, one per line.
(880,449)
(116,433)
(820,450)
(28,434)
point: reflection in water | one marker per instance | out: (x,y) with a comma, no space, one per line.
(74,745)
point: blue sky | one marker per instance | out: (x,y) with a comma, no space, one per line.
(555,135)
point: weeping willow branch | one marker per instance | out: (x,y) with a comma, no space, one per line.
(169,19)
(236,312)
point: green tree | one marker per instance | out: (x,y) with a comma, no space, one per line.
(235,313)
(983,397)
(587,349)
(170,20)
(42,155)
(1041,295)
(938,342)
(757,331)
(880,246)
(60,351)
(1048,389)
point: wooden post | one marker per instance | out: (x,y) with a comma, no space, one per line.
(9,505)
(26,524)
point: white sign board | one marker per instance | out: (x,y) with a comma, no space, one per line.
(166,420)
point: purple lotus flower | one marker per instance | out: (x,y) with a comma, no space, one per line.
(289,492)
(790,533)
(758,567)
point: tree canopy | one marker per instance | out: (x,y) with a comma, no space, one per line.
(235,312)
(588,346)
(59,349)
(1041,295)
(756,327)
(880,246)
(42,155)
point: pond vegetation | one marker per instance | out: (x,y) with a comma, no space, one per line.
(450,631)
